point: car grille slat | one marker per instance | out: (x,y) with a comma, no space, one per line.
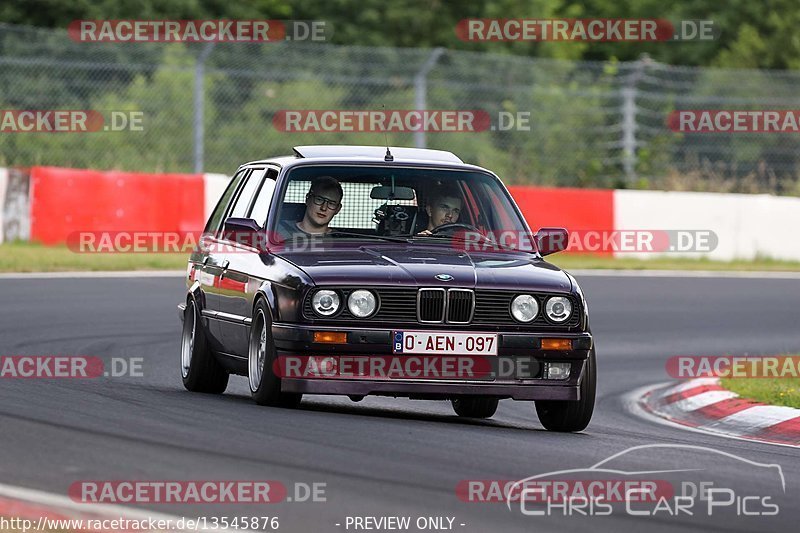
(431,305)
(460,304)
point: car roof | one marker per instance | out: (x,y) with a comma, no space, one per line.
(376,152)
(364,154)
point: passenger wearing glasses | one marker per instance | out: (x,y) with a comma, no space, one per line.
(323,202)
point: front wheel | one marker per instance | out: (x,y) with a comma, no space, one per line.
(571,415)
(265,385)
(475,406)
(200,371)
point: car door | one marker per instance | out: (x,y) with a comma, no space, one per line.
(236,285)
(212,260)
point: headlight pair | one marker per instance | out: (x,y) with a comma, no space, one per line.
(525,307)
(361,303)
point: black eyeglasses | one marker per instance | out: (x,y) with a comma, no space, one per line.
(319,200)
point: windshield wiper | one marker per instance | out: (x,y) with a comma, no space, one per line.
(484,240)
(336,233)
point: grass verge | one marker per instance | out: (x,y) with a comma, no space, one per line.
(576,261)
(782,391)
(29,257)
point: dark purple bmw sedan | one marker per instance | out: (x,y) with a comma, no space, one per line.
(363,270)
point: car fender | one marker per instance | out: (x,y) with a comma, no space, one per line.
(194,294)
(576,288)
(266,292)
(197,295)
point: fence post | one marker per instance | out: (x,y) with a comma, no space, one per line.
(198,127)
(629,93)
(421,90)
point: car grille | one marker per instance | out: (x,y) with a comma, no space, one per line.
(464,306)
(460,305)
(430,305)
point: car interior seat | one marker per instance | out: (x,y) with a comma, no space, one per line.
(292,212)
(396,219)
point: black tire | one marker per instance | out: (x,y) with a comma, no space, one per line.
(200,370)
(475,406)
(571,416)
(265,386)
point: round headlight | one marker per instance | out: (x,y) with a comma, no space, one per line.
(558,308)
(524,308)
(361,303)
(325,302)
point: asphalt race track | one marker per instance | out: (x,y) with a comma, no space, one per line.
(379,457)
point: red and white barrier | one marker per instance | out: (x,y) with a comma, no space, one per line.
(61,201)
(66,201)
(574,209)
(747,225)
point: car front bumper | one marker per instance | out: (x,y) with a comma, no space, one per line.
(297,340)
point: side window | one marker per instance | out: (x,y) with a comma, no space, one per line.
(222,205)
(264,198)
(242,205)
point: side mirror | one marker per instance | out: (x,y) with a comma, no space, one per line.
(551,240)
(242,230)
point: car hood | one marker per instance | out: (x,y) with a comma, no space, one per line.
(411,265)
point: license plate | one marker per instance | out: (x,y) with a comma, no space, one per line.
(440,342)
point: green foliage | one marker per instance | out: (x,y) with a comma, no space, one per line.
(164,144)
(574,107)
(753,34)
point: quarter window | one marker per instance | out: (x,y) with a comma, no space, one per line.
(242,205)
(264,198)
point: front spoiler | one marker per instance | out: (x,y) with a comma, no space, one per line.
(540,390)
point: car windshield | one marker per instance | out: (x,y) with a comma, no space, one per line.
(369,203)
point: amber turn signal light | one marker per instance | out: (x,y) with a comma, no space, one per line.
(330,337)
(556,344)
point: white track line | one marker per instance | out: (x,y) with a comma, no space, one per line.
(755,274)
(57,502)
(99,274)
